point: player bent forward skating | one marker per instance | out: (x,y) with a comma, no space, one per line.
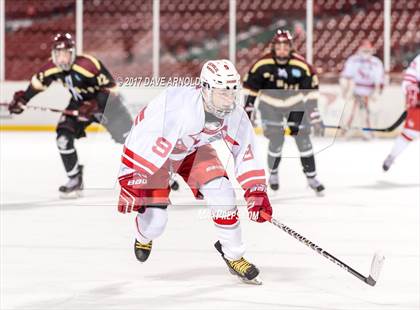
(173,134)
(94,97)
(411,131)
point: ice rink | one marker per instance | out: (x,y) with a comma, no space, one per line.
(78,254)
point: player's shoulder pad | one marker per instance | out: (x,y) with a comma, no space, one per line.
(265,60)
(86,65)
(49,68)
(298,61)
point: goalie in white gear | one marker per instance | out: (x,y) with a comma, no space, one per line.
(361,82)
(173,133)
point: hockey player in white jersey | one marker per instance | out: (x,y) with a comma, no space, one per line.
(173,134)
(362,81)
(411,131)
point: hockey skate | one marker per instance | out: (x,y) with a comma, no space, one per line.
(316,186)
(274,181)
(387,163)
(246,271)
(73,188)
(142,251)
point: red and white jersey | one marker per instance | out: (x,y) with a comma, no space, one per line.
(412,74)
(366,73)
(172,126)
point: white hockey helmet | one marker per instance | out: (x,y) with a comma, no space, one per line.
(220,87)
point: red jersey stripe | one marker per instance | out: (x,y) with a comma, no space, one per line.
(140,116)
(408,75)
(231,140)
(140,159)
(132,165)
(250,174)
(252,183)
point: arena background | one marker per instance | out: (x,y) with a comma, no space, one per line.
(78,254)
(174,38)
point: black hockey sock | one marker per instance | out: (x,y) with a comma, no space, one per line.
(308,164)
(71,164)
(273,163)
(65,144)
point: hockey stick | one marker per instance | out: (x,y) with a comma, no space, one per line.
(74,113)
(377,261)
(388,129)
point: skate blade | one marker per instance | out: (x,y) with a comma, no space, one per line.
(255,281)
(318,194)
(72,195)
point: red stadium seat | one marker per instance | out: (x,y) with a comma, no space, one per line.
(120,31)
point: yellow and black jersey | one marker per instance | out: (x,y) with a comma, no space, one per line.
(281,85)
(86,78)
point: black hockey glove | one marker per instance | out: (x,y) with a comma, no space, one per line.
(18,102)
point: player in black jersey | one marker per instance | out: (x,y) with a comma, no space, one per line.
(93,94)
(287,88)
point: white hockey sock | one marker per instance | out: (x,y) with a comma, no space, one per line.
(150,224)
(402,141)
(220,198)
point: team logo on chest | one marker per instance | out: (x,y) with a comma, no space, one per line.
(296,73)
(69,83)
(281,72)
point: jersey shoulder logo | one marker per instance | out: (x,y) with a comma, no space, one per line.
(248,154)
(281,72)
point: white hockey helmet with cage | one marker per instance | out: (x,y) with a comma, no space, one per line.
(220,87)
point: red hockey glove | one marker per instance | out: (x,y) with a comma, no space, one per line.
(130,199)
(18,102)
(257,200)
(412,96)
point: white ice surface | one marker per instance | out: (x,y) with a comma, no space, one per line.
(59,254)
